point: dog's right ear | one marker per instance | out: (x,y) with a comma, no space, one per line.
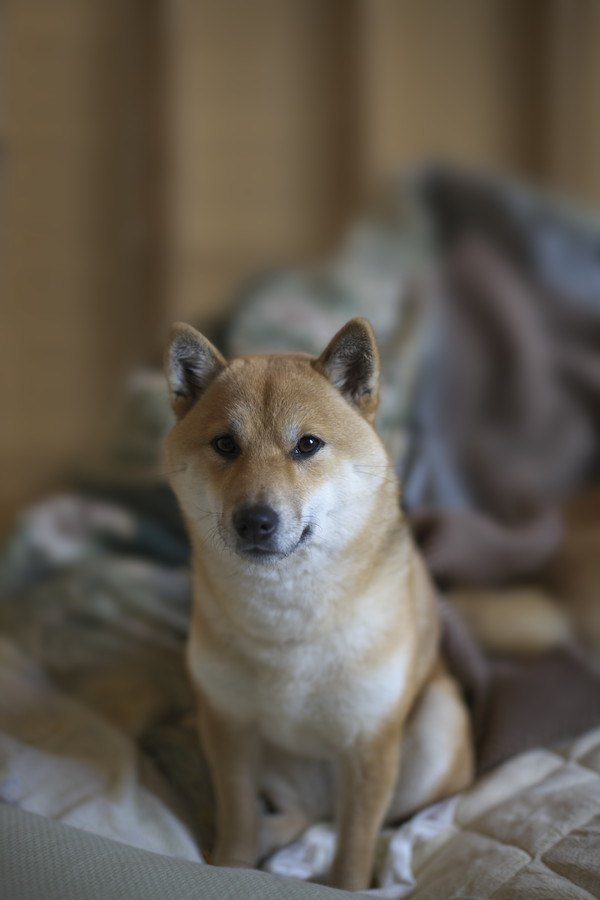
(191,363)
(351,363)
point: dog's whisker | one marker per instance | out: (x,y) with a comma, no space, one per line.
(382,478)
(376,466)
(164,473)
(209,512)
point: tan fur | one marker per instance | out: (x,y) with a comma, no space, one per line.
(325,656)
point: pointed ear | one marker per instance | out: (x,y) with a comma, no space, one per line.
(351,363)
(191,363)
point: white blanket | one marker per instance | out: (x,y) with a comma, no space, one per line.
(62,760)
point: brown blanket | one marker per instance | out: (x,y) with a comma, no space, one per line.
(512,398)
(508,422)
(517,705)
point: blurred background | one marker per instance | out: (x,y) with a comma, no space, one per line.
(158,153)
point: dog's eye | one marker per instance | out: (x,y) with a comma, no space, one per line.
(225,446)
(307,446)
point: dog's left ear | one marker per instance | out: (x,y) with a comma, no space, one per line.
(351,363)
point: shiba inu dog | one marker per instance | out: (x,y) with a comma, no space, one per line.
(313,647)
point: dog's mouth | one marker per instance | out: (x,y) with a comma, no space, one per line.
(269,553)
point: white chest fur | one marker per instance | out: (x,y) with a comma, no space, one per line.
(307,696)
(310,703)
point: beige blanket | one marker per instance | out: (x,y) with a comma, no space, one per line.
(528,829)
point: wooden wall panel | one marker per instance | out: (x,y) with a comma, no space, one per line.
(261,139)
(572,84)
(452,81)
(73,316)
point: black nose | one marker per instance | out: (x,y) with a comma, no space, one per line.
(256,524)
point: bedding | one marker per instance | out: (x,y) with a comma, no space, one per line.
(530,828)
(96,714)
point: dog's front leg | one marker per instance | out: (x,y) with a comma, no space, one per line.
(366,777)
(232,754)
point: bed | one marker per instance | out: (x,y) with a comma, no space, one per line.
(103,787)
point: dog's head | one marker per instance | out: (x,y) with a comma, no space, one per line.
(273,454)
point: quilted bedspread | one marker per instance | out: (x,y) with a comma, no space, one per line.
(530,828)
